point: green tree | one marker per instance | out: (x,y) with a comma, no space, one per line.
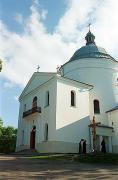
(1,125)
(7,138)
(1,122)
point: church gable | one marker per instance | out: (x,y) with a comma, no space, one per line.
(37,79)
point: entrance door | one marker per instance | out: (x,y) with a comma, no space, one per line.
(32,138)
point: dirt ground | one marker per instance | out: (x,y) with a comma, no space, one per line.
(16,167)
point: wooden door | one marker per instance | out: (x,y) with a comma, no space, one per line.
(32,139)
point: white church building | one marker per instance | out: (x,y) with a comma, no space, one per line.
(56,109)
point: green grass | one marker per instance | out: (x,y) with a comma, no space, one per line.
(88,158)
(52,157)
(98,158)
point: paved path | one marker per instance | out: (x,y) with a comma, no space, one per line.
(19,168)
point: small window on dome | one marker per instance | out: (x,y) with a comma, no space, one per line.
(89,39)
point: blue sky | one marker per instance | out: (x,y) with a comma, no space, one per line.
(47,32)
(8,10)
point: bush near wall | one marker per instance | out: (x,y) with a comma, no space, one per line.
(7,145)
(7,139)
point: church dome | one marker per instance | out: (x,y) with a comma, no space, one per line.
(91,50)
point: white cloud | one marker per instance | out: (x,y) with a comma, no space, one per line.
(44,14)
(77,16)
(106,26)
(23,52)
(19,18)
(7,85)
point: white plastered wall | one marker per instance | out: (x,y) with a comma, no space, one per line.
(113,121)
(102,74)
(47,115)
(66,124)
(71,122)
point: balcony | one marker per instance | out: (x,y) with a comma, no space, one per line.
(32,111)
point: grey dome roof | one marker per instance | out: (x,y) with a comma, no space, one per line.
(90,51)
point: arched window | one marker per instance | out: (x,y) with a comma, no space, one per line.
(96,107)
(72,98)
(34,103)
(47,98)
(46,132)
(89,39)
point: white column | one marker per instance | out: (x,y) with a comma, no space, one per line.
(91,139)
(100,140)
(110,144)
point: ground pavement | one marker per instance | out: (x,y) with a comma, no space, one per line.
(21,168)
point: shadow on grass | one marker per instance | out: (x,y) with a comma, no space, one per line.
(98,158)
(83,158)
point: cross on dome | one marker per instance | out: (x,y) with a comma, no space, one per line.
(38,67)
(89,25)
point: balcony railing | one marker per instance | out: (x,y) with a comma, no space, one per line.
(32,111)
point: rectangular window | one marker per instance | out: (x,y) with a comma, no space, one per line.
(24,107)
(46,132)
(47,98)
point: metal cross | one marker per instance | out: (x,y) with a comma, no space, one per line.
(89,25)
(58,67)
(38,67)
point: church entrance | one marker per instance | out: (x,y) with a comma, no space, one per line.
(32,137)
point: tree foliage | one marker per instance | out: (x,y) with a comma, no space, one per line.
(7,138)
(1,122)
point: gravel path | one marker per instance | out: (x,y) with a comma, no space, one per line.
(20,168)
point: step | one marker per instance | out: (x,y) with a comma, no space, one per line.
(27,152)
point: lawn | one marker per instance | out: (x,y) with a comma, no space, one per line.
(87,158)
(53,157)
(98,158)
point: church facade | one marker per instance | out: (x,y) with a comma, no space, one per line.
(57,109)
